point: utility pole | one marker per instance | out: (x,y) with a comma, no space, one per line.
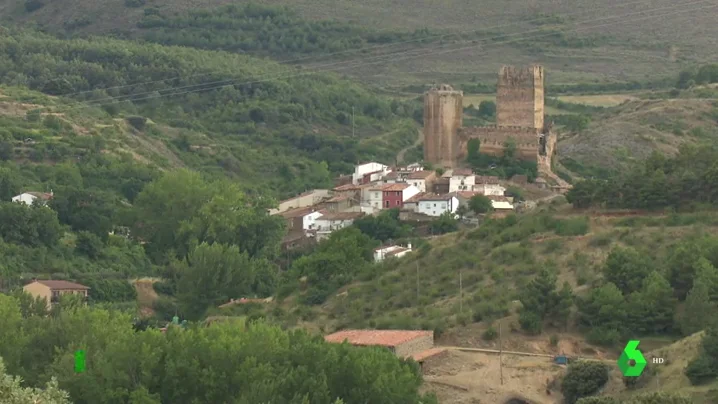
(461,294)
(352,121)
(501,362)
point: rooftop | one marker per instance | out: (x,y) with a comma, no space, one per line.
(62,285)
(395,187)
(427,354)
(420,175)
(338,198)
(347,187)
(416,198)
(464,172)
(297,212)
(340,215)
(42,195)
(468,194)
(388,338)
(436,197)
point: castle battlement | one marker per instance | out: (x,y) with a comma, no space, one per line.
(519,116)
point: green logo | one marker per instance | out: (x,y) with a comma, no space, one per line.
(79,361)
(630,353)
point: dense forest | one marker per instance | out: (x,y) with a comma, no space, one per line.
(227,362)
(260,29)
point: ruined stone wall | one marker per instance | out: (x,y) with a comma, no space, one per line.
(544,160)
(520,97)
(443,116)
(493,139)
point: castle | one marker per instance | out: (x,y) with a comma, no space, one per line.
(519,116)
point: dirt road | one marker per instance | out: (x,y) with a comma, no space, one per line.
(402,152)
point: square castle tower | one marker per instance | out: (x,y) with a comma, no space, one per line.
(519,116)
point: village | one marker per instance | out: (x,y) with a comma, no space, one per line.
(421,195)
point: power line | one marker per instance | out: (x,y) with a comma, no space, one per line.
(213,85)
(391,56)
(362,49)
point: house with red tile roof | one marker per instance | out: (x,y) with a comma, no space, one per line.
(404,343)
(394,195)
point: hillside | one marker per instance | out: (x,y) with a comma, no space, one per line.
(616,42)
(268,124)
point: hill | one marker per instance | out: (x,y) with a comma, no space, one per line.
(616,42)
(268,124)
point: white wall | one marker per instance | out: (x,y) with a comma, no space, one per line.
(437,208)
(490,189)
(455,183)
(24,198)
(375,198)
(409,192)
(309,221)
(419,184)
(361,170)
(332,225)
(380,254)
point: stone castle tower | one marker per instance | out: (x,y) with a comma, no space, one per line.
(443,116)
(520,97)
(519,116)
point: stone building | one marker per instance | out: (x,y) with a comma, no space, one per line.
(519,116)
(402,343)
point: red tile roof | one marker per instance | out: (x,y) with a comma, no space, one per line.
(416,198)
(468,194)
(347,187)
(498,198)
(389,338)
(42,195)
(420,175)
(62,285)
(395,187)
(338,198)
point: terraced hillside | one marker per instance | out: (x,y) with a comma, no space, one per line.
(577,41)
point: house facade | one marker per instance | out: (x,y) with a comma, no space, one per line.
(51,291)
(363,172)
(437,205)
(461,180)
(394,195)
(422,180)
(301,219)
(375,197)
(333,221)
(488,185)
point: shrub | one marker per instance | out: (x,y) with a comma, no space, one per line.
(583,379)
(138,122)
(134,3)
(490,334)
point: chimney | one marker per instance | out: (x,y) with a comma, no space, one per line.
(408,246)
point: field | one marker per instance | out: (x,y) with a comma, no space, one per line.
(615,41)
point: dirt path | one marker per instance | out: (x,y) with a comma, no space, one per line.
(146,294)
(402,152)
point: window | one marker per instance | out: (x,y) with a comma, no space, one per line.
(397,203)
(398,193)
(434,205)
(386,204)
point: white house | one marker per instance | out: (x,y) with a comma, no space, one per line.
(500,203)
(437,205)
(374,196)
(301,219)
(29,197)
(333,221)
(422,180)
(461,180)
(369,172)
(488,185)
(395,251)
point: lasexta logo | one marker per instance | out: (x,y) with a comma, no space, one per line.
(631,362)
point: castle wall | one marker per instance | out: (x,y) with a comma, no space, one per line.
(544,160)
(520,97)
(443,116)
(493,139)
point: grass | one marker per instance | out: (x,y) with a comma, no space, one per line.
(495,262)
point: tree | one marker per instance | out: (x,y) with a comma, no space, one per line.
(480,204)
(213,274)
(626,268)
(14,393)
(699,310)
(645,398)
(446,223)
(652,307)
(583,379)
(9,184)
(603,313)
(487,109)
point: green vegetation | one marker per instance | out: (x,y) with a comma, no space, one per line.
(688,179)
(505,166)
(583,379)
(260,29)
(286,134)
(263,363)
